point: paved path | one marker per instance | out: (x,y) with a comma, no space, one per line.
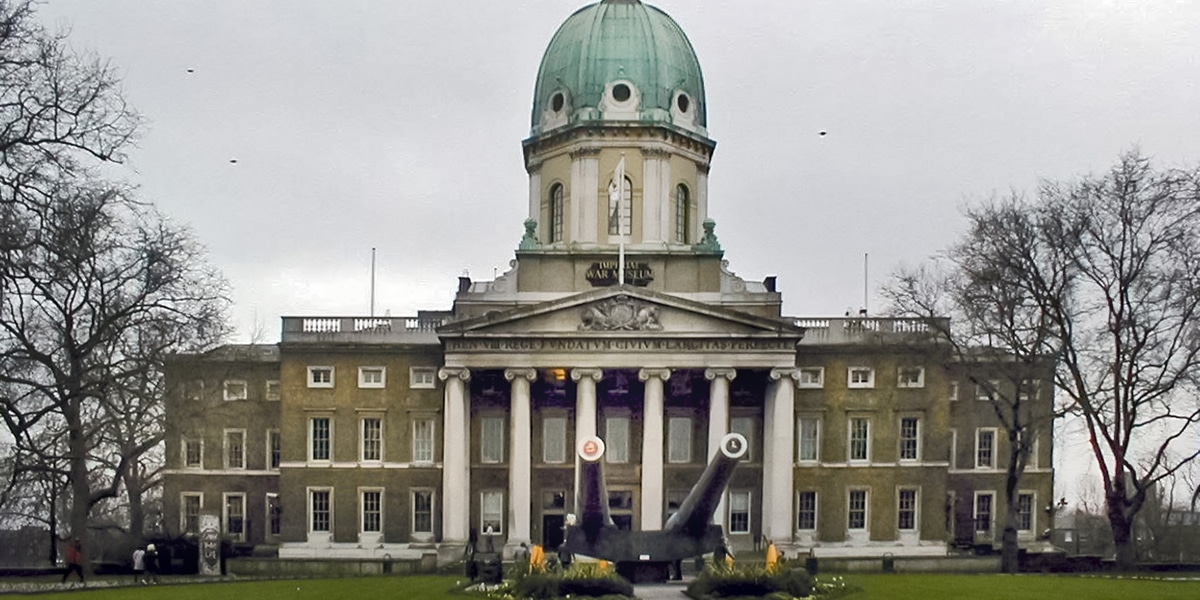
(672,590)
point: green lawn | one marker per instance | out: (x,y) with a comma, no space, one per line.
(432,587)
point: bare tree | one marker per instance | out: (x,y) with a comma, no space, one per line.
(1104,275)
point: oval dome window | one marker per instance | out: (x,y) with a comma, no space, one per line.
(557,101)
(683,102)
(621,93)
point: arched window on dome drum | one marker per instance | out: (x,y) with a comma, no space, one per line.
(620,208)
(556,213)
(682,214)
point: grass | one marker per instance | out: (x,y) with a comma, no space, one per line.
(872,587)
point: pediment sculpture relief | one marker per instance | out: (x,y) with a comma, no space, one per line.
(621,313)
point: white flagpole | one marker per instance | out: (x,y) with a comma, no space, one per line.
(619,179)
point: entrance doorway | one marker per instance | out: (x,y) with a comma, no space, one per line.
(552,531)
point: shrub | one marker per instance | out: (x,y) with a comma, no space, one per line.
(749,581)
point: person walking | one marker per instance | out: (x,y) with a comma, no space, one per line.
(74,560)
(139,565)
(151,559)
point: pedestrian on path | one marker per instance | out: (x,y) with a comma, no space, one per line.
(139,565)
(74,560)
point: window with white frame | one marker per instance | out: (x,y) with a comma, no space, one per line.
(422,377)
(491,446)
(556,214)
(189,517)
(811,377)
(422,511)
(861,377)
(371,433)
(987,391)
(235,448)
(320,377)
(371,510)
(860,439)
(271,392)
(616,440)
(1025,504)
(235,389)
(1028,390)
(739,511)
(491,512)
(679,440)
(681,214)
(745,427)
(193,390)
(910,438)
(274,516)
(193,453)
(983,511)
(856,510)
(808,439)
(320,510)
(985,449)
(554,440)
(320,438)
(906,509)
(953,391)
(910,377)
(235,516)
(806,510)
(273,449)
(423,440)
(372,377)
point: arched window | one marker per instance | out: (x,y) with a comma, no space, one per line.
(556,213)
(620,207)
(682,214)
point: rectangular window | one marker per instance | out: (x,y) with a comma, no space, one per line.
(235,449)
(744,426)
(679,440)
(372,377)
(861,377)
(906,511)
(274,514)
(320,510)
(856,514)
(422,507)
(808,434)
(235,516)
(193,453)
(422,378)
(273,452)
(492,512)
(983,511)
(272,391)
(806,512)
(911,377)
(193,390)
(987,391)
(910,438)
(372,440)
(953,391)
(320,377)
(616,439)
(319,437)
(192,503)
(985,449)
(491,449)
(1028,391)
(739,511)
(860,439)
(423,440)
(372,511)
(235,389)
(1024,512)
(811,377)
(554,440)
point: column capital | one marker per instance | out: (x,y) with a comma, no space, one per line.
(526,374)
(647,374)
(593,374)
(781,372)
(725,373)
(462,373)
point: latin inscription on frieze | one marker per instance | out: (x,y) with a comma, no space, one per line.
(618,345)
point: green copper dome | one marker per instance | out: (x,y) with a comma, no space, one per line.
(619,60)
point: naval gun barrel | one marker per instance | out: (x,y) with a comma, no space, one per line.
(697,509)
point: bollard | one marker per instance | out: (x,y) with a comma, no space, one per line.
(810,565)
(889,563)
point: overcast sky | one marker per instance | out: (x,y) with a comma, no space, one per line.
(398,125)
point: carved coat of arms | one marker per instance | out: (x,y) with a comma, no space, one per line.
(620,313)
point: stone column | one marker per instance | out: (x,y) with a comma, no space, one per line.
(656,196)
(585,413)
(718,421)
(456,465)
(652,448)
(779,423)
(520,473)
(585,196)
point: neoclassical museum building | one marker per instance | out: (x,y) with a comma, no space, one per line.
(403,437)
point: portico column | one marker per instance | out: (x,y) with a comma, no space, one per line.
(585,413)
(779,422)
(456,468)
(520,469)
(652,448)
(718,421)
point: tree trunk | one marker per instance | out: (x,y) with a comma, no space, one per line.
(137,512)
(1122,532)
(1010,561)
(54,525)
(81,490)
